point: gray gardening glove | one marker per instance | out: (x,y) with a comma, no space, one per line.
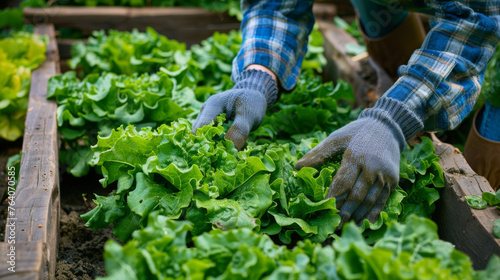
(246,103)
(371,148)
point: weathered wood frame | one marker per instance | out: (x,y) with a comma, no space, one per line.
(36,231)
(37,204)
(340,64)
(470,230)
(189,25)
(186,24)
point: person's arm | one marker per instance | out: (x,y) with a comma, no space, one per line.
(438,86)
(443,78)
(275,36)
(274,44)
(263,69)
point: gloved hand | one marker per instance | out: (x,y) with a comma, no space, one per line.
(246,103)
(369,170)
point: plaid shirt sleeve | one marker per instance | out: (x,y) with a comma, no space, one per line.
(275,36)
(442,79)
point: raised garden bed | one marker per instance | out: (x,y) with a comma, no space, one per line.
(469,229)
(185,24)
(189,25)
(38,211)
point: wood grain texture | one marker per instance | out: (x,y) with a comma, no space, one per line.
(324,11)
(189,25)
(32,254)
(470,230)
(37,202)
(186,24)
(339,63)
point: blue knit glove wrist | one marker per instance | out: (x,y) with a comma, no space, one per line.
(397,114)
(371,148)
(246,103)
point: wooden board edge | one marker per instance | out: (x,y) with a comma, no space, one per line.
(113,15)
(27,263)
(189,25)
(339,63)
(37,204)
(470,230)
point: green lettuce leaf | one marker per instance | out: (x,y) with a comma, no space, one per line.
(476,202)
(163,250)
(20,53)
(492,198)
(202,178)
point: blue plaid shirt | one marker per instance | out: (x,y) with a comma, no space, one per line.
(441,81)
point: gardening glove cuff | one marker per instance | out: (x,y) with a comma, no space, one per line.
(253,79)
(404,123)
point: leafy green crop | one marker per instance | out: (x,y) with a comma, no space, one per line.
(13,17)
(202,178)
(476,202)
(20,53)
(353,30)
(174,186)
(92,106)
(496,228)
(215,55)
(163,250)
(312,106)
(492,198)
(131,52)
(289,130)
(481,202)
(127,52)
(99,103)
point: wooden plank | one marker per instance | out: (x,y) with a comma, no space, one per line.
(343,7)
(324,11)
(71,15)
(470,230)
(37,203)
(29,259)
(186,24)
(340,63)
(190,25)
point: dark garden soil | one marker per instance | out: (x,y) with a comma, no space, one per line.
(80,254)
(80,248)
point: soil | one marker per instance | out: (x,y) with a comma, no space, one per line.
(80,248)
(80,254)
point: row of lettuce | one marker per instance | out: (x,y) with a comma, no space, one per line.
(190,206)
(20,53)
(174,188)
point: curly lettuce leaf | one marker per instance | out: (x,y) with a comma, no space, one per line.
(163,250)
(20,53)
(126,52)
(202,178)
